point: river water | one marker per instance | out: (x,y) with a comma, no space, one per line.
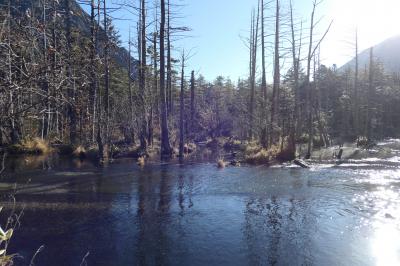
(196,214)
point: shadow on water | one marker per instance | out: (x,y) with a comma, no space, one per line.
(196,214)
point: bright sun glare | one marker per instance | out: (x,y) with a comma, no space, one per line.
(375,20)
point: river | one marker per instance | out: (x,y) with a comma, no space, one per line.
(196,214)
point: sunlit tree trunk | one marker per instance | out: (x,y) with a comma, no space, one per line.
(368,129)
(181,108)
(276,84)
(71,90)
(264,137)
(142,79)
(165,144)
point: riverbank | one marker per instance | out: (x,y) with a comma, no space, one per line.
(230,151)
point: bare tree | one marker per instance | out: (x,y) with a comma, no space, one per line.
(263,140)
(142,78)
(182,107)
(277,77)
(165,144)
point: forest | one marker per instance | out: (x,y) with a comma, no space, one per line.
(67,82)
(118,148)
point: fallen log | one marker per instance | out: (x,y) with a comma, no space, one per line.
(301,163)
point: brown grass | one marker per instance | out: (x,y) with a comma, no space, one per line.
(79,151)
(141,161)
(221,163)
(255,154)
(31,146)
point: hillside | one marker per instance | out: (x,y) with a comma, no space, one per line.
(80,20)
(387,53)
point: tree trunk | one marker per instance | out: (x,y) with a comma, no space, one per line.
(263,140)
(169,63)
(71,92)
(165,145)
(192,105)
(369,95)
(276,84)
(254,45)
(308,86)
(93,68)
(142,79)
(181,109)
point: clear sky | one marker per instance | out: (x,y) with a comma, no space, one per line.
(219,26)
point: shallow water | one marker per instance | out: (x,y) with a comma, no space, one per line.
(197,214)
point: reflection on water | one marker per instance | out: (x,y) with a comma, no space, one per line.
(198,215)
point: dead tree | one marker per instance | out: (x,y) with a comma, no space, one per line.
(93,64)
(296,51)
(263,139)
(253,65)
(165,144)
(192,103)
(182,107)
(277,77)
(142,78)
(309,101)
(71,89)
(368,115)
(356,92)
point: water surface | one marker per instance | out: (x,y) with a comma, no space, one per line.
(196,214)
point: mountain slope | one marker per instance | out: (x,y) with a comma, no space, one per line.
(387,53)
(80,20)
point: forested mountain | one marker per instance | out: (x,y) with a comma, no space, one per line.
(386,53)
(79,18)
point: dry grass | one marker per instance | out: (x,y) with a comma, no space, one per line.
(141,161)
(79,151)
(189,148)
(221,164)
(234,144)
(255,154)
(31,146)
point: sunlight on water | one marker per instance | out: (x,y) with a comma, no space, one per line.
(385,245)
(381,202)
(385,242)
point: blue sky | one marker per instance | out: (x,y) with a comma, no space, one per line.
(218,25)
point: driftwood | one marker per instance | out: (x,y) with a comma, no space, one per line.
(301,163)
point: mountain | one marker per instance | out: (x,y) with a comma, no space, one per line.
(387,53)
(80,20)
